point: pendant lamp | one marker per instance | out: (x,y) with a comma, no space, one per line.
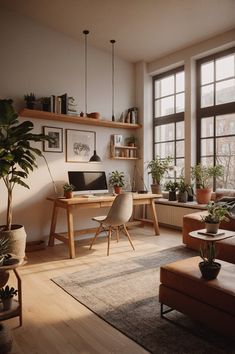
(112,42)
(95,157)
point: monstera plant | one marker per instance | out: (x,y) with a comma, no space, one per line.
(17,160)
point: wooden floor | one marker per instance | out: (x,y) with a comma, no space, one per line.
(54,322)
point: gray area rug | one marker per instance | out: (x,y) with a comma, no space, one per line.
(125,294)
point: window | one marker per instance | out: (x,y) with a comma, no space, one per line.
(168,117)
(216,114)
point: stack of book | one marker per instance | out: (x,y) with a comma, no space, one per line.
(59,104)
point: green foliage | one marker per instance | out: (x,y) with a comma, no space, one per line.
(7,292)
(116,179)
(30,97)
(208,252)
(131,140)
(158,167)
(17,156)
(171,186)
(182,186)
(68,187)
(216,213)
(203,174)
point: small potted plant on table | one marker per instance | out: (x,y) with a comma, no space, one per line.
(208,267)
(172,188)
(216,214)
(68,190)
(116,180)
(6,296)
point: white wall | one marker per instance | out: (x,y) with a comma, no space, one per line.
(37,59)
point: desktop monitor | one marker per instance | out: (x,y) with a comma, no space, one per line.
(88,182)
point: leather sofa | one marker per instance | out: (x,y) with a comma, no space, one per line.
(225,248)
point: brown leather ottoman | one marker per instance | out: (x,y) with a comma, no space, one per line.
(211,302)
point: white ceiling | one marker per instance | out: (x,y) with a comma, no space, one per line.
(143,29)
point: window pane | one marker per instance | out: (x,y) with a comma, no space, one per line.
(180,149)
(207,73)
(207,147)
(225,67)
(179,167)
(165,106)
(165,149)
(164,87)
(225,124)
(225,91)
(207,127)
(180,81)
(207,96)
(207,161)
(179,102)
(165,132)
(180,130)
(225,148)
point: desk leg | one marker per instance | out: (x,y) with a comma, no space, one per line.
(70,233)
(155,220)
(53,225)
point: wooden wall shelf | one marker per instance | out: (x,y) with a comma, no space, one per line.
(124,158)
(31,113)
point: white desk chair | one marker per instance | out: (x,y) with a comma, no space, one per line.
(118,215)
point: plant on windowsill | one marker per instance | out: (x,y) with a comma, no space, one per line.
(202,176)
(6,296)
(116,180)
(157,168)
(172,188)
(182,190)
(208,267)
(68,190)
(216,214)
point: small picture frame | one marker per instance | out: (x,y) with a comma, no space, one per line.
(117,139)
(80,145)
(57,135)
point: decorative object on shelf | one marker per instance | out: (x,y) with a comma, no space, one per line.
(72,110)
(30,100)
(56,143)
(216,214)
(112,41)
(95,115)
(131,140)
(208,267)
(203,175)
(60,104)
(6,296)
(79,145)
(132,115)
(172,188)
(117,139)
(157,168)
(68,190)
(46,103)
(18,159)
(182,191)
(85,32)
(116,180)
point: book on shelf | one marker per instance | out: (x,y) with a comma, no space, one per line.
(205,233)
(59,104)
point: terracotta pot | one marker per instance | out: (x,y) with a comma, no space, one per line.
(117,189)
(203,195)
(17,237)
(68,195)
(212,228)
(156,188)
(209,271)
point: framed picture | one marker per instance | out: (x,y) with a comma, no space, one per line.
(80,145)
(117,139)
(57,144)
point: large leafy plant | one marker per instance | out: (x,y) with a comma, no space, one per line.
(17,156)
(216,213)
(202,174)
(116,179)
(158,167)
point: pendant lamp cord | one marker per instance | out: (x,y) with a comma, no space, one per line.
(86,32)
(113,41)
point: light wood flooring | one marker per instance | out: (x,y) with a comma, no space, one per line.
(54,322)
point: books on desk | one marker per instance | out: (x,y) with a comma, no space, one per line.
(220,233)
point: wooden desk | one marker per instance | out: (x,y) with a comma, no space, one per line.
(87,203)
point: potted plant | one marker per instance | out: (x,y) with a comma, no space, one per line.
(182,190)
(68,190)
(157,168)
(203,175)
(216,214)
(30,100)
(116,180)
(46,103)
(172,188)
(17,160)
(208,267)
(131,141)
(6,296)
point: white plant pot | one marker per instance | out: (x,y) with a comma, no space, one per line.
(212,228)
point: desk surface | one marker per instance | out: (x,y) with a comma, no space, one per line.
(109,198)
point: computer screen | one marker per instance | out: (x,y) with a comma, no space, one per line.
(88,182)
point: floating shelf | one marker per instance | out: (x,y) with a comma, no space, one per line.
(31,113)
(124,158)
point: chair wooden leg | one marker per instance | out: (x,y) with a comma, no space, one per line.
(109,239)
(128,236)
(117,232)
(96,235)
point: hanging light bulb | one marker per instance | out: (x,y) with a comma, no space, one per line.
(85,32)
(112,42)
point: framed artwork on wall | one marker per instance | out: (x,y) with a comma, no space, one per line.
(80,145)
(57,135)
